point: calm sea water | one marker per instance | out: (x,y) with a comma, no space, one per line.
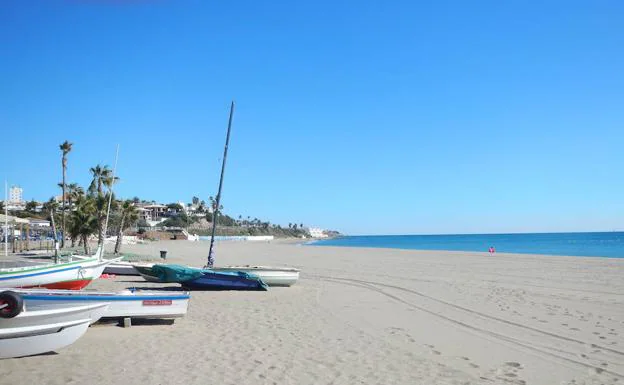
(573,244)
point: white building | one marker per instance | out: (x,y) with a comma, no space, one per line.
(15,195)
(34,222)
(316,232)
(156,211)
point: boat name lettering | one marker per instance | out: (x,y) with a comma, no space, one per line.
(157,302)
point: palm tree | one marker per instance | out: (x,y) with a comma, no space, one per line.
(51,206)
(129,216)
(213,204)
(102,176)
(74,191)
(85,221)
(101,208)
(65,148)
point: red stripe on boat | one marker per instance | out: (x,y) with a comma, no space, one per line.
(67,285)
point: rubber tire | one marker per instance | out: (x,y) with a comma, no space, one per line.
(15,302)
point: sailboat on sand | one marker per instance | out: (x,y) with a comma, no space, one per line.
(216,278)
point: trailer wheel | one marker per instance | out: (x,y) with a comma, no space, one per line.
(11,304)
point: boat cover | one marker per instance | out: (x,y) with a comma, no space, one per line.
(176,273)
(209,278)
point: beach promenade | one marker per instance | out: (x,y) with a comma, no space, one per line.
(364,316)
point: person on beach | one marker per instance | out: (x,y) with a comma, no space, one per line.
(491,250)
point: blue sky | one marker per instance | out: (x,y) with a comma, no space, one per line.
(368,117)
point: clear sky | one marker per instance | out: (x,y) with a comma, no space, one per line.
(369,117)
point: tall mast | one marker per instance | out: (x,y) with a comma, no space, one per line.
(217,203)
(6,218)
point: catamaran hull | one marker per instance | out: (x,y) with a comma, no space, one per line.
(127,303)
(146,272)
(272,276)
(121,268)
(209,280)
(223,281)
(28,341)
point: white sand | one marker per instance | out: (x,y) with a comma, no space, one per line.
(365,316)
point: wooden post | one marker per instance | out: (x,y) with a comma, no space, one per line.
(13,239)
(27,237)
(19,240)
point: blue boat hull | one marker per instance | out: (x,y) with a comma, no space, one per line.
(210,280)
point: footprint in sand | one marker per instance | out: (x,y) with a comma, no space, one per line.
(514,364)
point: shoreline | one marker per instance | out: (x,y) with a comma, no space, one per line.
(585,245)
(482,253)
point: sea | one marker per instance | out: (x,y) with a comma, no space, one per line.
(605,244)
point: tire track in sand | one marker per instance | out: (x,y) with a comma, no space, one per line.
(375,286)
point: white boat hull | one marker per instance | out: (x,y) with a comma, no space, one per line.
(120,268)
(46,314)
(126,303)
(28,341)
(47,329)
(70,275)
(272,276)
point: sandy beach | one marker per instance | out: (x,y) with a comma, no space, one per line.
(364,316)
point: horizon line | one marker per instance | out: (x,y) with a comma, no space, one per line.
(505,233)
